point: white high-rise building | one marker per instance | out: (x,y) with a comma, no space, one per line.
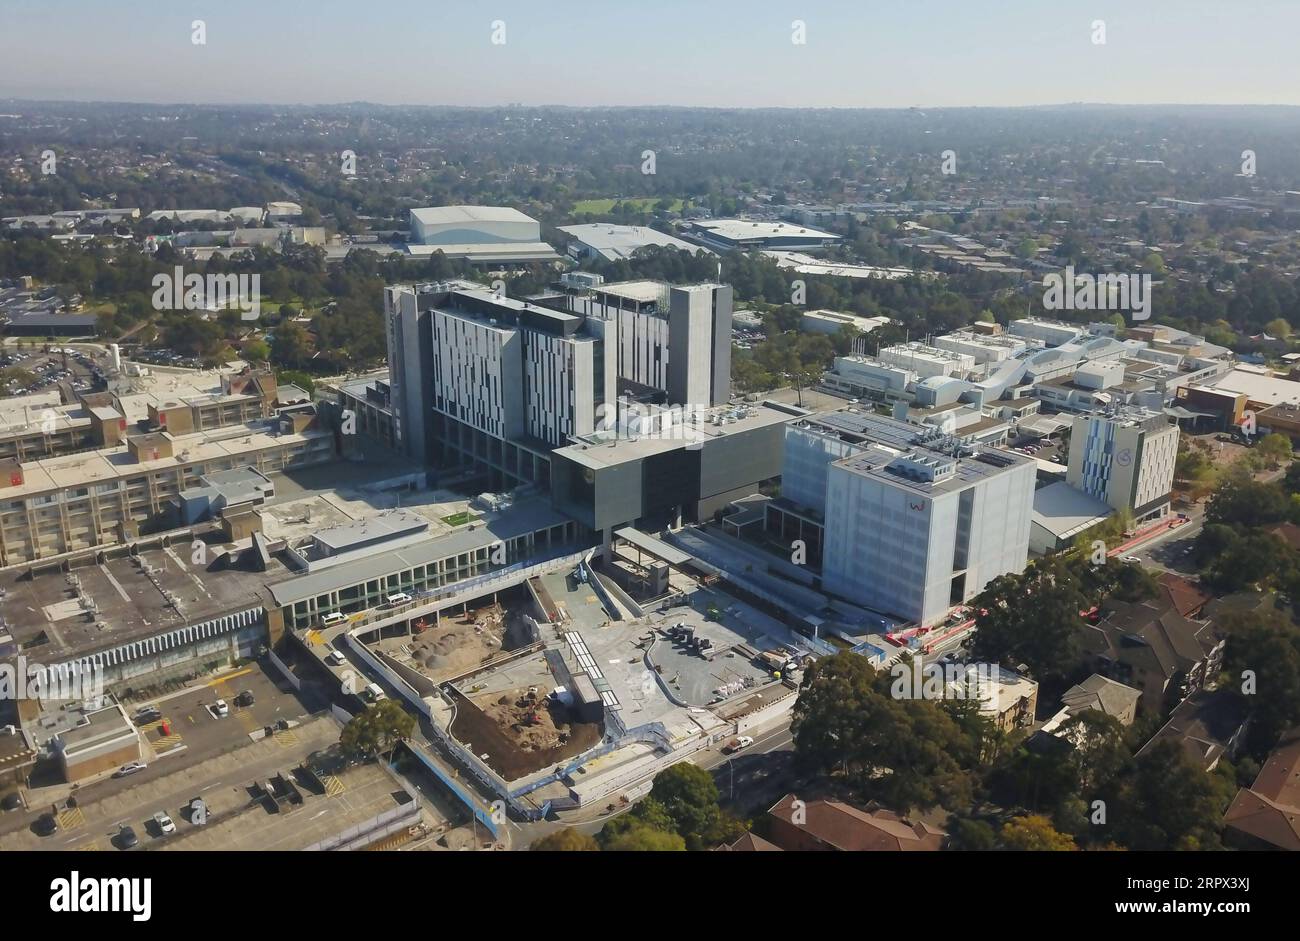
(1124,457)
(912,534)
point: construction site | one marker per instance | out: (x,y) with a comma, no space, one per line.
(450,644)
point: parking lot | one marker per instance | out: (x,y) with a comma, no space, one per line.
(221,780)
(47,369)
(186,734)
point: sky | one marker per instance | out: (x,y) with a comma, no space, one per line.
(702,53)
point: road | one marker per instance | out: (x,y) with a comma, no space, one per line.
(745,781)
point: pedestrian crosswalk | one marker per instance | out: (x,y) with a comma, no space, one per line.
(166,742)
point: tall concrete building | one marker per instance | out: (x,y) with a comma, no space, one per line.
(913,534)
(1124,457)
(484,380)
(672,340)
(903,519)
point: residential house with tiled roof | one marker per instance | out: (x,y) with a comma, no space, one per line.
(832,825)
(1266,815)
(1149,646)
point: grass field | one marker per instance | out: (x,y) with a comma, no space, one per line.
(597,207)
(460,519)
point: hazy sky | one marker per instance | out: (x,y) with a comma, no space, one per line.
(868,53)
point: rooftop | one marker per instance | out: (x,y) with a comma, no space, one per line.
(741,229)
(56,616)
(620,241)
(441,215)
(606,449)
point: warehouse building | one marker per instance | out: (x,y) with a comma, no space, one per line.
(489,235)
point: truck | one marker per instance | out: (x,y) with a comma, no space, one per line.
(778,661)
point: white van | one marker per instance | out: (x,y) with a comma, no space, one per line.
(372,693)
(334,617)
(400,597)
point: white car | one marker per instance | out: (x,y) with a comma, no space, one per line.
(1131,560)
(165,823)
(335,658)
(129,768)
(221,709)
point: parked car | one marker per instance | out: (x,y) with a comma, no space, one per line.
(126,838)
(130,768)
(146,714)
(165,823)
(221,708)
(47,825)
(335,658)
(245,698)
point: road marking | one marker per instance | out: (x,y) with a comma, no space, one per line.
(93,846)
(71,819)
(333,786)
(286,738)
(167,742)
(229,676)
(313,637)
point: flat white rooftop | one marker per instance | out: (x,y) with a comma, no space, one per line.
(620,241)
(439,215)
(740,229)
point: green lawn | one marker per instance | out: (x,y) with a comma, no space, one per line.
(460,519)
(605,206)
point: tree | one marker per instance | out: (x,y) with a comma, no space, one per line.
(970,835)
(642,838)
(1274,448)
(1031,618)
(1264,650)
(1278,328)
(689,798)
(298,378)
(566,840)
(291,346)
(1168,803)
(1034,833)
(256,351)
(1243,502)
(376,730)
(905,752)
